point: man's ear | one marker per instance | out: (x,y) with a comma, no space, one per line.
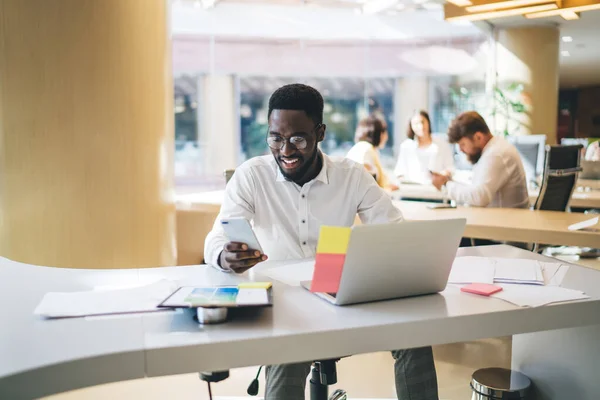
(321,133)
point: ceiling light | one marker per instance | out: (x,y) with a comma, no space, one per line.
(567,39)
(375,6)
(565,53)
(502,13)
(565,8)
(460,3)
(569,15)
(502,5)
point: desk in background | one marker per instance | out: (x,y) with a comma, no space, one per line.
(586,195)
(501,224)
(509,224)
(40,357)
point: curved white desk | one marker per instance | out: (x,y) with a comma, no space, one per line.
(40,357)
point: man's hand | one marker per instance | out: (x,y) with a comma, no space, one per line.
(439,180)
(238,258)
(392,187)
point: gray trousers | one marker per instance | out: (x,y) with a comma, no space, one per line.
(414,370)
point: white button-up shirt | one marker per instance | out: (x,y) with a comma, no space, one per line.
(287,217)
(498,179)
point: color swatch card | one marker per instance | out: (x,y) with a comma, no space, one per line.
(329,261)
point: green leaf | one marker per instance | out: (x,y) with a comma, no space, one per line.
(515,87)
(499,93)
(518,107)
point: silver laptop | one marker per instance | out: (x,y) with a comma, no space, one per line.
(389,261)
(590,170)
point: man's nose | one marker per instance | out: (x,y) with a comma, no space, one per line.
(287,149)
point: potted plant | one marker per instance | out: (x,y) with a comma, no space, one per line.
(507,103)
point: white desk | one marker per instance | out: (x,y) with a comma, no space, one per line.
(40,357)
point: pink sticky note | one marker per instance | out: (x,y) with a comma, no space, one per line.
(484,289)
(328,272)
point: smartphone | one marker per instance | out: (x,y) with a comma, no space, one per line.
(440,205)
(239,230)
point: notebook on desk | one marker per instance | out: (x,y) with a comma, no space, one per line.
(386,261)
(244,295)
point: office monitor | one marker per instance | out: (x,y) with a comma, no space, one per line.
(532,151)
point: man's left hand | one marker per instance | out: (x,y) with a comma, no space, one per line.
(439,180)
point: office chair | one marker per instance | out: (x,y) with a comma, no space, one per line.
(561,170)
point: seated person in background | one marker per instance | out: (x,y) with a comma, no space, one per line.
(498,173)
(288,196)
(421,153)
(593,151)
(371,135)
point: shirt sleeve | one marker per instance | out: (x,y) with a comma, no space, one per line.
(447,158)
(492,176)
(370,162)
(238,203)
(375,205)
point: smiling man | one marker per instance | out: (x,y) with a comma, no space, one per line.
(288,196)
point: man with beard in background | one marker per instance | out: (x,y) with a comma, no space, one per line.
(498,174)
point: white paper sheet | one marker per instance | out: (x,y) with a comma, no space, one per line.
(472,270)
(584,224)
(554,273)
(79,304)
(511,270)
(291,274)
(535,296)
(252,296)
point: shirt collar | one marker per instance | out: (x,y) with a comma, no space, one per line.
(489,144)
(321,177)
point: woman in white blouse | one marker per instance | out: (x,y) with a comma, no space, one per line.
(421,153)
(371,135)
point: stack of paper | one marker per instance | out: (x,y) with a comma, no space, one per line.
(518,271)
(534,296)
(554,273)
(524,282)
(472,270)
(79,304)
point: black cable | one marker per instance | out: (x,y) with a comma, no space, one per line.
(253,388)
(209,391)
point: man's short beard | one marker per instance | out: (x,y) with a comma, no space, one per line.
(296,176)
(473,158)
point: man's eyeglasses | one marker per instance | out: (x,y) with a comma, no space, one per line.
(277,142)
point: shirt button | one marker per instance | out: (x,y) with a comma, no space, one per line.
(303,221)
(303,196)
(304,243)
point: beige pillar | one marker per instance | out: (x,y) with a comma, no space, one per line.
(411,94)
(86,133)
(220,123)
(530,56)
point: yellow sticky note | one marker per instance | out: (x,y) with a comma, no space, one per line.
(255,285)
(333,240)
